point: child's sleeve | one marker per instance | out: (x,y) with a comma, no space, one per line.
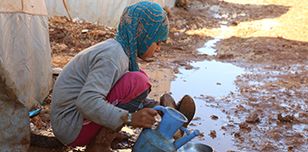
(92,102)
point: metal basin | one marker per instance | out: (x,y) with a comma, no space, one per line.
(195,147)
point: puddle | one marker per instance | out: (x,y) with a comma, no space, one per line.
(208,78)
(223,140)
(209,47)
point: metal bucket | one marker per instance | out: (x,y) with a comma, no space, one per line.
(195,147)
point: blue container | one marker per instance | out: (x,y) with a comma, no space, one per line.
(195,147)
(161,138)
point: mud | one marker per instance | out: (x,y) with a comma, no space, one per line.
(262,106)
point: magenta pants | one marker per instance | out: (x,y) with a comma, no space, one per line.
(128,93)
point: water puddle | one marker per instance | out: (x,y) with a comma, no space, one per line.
(208,78)
(214,134)
(209,47)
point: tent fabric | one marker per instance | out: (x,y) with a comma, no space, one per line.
(103,12)
(25,68)
(25,55)
(35,7)
(14,120)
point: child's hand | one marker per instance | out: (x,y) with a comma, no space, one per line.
(144,118)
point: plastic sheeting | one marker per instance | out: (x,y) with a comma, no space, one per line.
(14,120)
(25,55)
(36,7)
(104,12)
(25,75)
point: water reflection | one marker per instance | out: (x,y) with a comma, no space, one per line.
(208,78)
(209,47)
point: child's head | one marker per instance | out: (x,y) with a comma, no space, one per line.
(141,25)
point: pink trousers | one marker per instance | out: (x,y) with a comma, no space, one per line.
(132,85)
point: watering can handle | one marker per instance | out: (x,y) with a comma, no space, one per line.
(160,108)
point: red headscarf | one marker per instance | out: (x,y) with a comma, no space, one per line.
(128,87)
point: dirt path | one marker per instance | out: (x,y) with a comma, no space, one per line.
(268,38)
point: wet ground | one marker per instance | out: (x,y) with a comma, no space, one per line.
(205,82)
(245,63)
(261,101)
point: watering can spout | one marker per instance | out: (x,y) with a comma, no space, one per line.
(180,142)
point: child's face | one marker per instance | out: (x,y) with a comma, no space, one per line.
(150,52)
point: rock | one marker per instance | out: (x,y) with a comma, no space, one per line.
(287,118)
(56,71)
(234,23)
(213,134)
(253,118)
(214,117)
(188,67)
(187,107)
(268,147)
(85,31)
(237,135)
(167,100)
(182,3)
(244,126)
(197,118)
(214,9)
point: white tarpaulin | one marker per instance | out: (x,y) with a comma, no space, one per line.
(36,7)
(104,12)
(25,68)
(25,51)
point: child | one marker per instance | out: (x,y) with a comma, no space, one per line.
(84,106)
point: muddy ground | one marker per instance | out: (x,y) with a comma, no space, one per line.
(268,38)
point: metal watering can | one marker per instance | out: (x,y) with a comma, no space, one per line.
(161,138)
